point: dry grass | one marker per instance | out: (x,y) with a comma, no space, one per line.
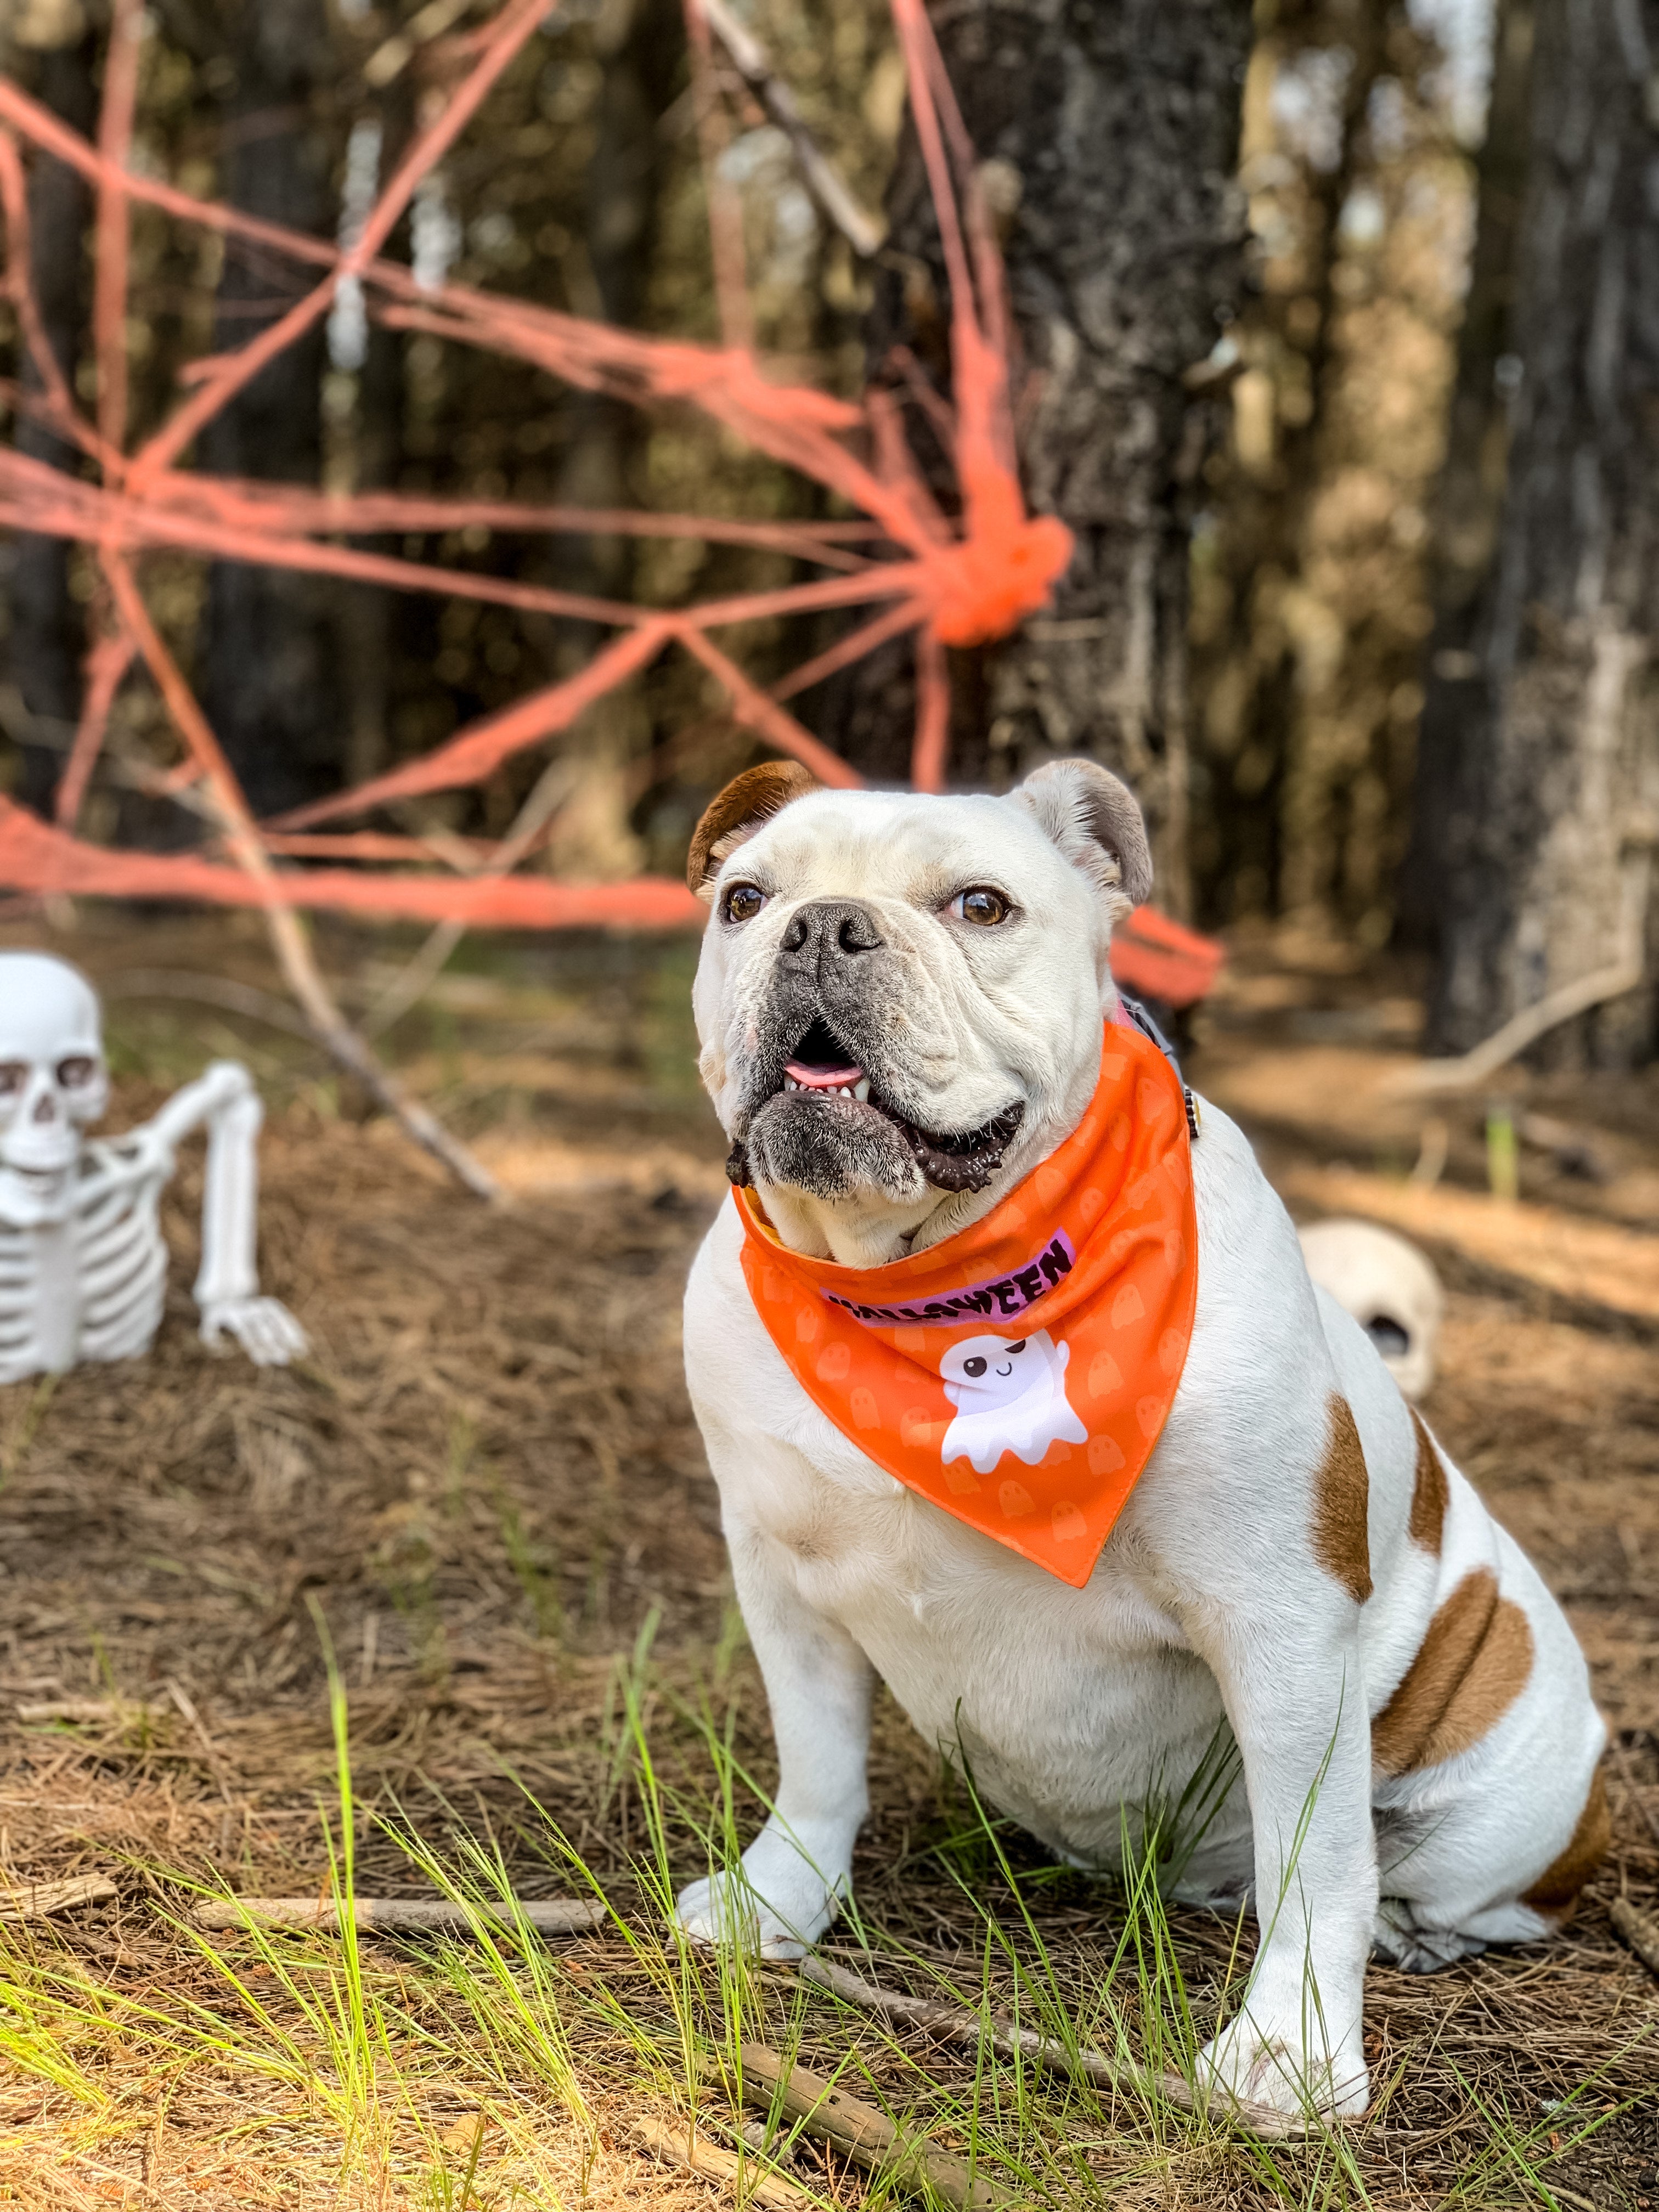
(486,1488)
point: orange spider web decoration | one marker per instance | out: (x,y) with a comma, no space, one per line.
(950,581)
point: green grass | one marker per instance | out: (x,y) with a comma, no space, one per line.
(502,2069)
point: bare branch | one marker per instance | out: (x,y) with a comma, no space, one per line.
(33,1900)
(753,2182)
(558,1916)
(963,2025)
(861,2133)
(862,232)
(1639,1929)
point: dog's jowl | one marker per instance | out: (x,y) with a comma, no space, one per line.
(1019,1395)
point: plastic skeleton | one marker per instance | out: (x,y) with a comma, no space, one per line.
(82,1261)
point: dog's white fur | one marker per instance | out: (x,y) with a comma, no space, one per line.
(1076,1707)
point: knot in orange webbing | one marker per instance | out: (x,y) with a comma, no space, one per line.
(1004,568)
(985,585)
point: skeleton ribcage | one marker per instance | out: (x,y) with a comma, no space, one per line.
(17,1304)
(121,1265)
(115,1255)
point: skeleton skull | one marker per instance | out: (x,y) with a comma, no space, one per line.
(1388,1286)
(53,1082)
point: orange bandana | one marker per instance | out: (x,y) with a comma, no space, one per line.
(1019,1374)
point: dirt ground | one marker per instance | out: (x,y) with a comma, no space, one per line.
(485,1488)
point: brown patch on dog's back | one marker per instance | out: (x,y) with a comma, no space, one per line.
(1341,1498)
(1556,1890)
(747,801)
(1430,1493)
(1470,1668)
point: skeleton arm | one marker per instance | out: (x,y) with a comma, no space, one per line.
(228,1285)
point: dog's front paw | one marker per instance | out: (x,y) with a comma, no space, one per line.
(1275,2083)
(725,1912)
(778,1903)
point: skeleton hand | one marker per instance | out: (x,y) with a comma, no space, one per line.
(264,1329)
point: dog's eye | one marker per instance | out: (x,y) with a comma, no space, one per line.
(1021,1346)
(973,1367)
(982,906)
(742,903)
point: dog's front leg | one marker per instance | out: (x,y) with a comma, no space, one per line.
(1296,1699)
(818,1684)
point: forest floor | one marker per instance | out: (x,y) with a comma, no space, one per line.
(484,1492)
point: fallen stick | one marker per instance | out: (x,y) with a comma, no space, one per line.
(72,1709)
(1430,1076)
(557,1916)
(1632,1789)
(962,2025)
(1639,1929)
(753,2182)
(861,2133)
(34,1900)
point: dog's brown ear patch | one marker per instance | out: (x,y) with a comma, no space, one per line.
(1470,1668)
(1556,1890)
(1341,1501)
(1430,1493)
(737,812)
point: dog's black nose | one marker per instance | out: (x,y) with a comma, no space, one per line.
(829,929)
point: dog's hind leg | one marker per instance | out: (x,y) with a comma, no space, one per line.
(1416,1948)
(1458,1863)
(1399,1941)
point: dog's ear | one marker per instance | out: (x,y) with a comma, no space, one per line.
(748,802)
(1096,820)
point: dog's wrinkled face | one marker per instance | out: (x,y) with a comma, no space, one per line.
(899,997)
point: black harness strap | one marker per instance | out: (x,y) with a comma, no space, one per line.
(1149,1029)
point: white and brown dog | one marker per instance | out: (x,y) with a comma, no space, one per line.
(900,1002)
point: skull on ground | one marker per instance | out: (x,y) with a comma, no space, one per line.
(53,1081)
(1389,1287)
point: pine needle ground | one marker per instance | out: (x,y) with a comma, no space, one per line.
(485,1496)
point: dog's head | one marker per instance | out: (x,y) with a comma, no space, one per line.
(899,997)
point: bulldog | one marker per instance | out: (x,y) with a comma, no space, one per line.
(901,1003)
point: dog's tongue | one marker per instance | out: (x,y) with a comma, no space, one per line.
(824,1078)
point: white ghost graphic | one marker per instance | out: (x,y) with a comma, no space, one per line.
(1010,1396)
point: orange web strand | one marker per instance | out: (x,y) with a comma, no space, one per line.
(958,582)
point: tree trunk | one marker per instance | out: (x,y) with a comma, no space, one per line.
(48,631)
(1542,724)
(1287,737)
(1469,500)
(639,46)
(1115,132)
(271,687)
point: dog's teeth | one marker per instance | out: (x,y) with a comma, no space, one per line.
(861,1089)
(790,1084)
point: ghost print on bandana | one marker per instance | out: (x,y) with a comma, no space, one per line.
(1010,1396)
(1018,1375)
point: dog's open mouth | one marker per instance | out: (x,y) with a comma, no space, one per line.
(825,1076)
(821,1064)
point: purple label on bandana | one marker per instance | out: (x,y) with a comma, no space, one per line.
(1004,1297)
